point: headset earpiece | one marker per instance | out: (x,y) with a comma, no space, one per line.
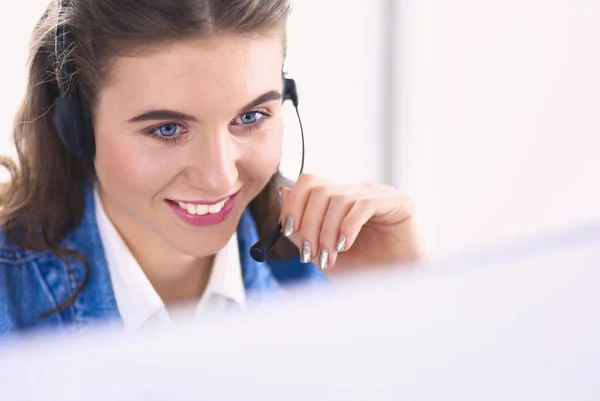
(289,90)
(71,116)
(73,124)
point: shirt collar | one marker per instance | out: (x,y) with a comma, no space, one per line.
(226,275)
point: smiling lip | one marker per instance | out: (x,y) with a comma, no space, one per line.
(206,219)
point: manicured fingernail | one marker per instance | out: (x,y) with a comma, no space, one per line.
(306,252)
(341,243)
(288,227)
(323,259)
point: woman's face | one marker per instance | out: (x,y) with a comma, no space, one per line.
(186,136)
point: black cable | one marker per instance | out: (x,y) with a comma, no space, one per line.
(264,246)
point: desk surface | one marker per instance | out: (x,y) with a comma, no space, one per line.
(524,329)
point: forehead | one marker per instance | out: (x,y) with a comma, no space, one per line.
(202,73)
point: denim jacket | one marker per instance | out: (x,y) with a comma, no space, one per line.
(35,282)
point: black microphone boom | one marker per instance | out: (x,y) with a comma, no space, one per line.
(264,246)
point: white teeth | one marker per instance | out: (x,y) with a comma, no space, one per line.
(202,209)
(214,209)
(191,209)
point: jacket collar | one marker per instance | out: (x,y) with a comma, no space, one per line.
(97,300)
(258,277)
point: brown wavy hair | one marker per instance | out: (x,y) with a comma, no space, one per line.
(43,201)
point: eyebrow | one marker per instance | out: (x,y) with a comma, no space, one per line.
(163,114)
(265,97)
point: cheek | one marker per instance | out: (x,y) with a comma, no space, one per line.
(262,160)
(124,168)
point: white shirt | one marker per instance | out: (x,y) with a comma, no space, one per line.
(136,298)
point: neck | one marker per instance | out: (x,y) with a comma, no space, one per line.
(177,278)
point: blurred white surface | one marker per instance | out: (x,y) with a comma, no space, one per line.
(519,324)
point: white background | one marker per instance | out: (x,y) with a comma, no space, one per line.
(498,105)
(493,113)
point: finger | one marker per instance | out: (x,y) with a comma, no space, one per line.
(294,201)
(306,236)
(331,236)
(314,220)
(384,208)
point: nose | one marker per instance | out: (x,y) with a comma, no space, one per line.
(212,167)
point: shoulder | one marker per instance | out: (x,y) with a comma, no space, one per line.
(12,254)
(27,281)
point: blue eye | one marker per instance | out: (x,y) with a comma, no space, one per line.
(249,118)
(167,130)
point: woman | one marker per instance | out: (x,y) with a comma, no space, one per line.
(167,179)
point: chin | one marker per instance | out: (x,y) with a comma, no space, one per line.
(201,247)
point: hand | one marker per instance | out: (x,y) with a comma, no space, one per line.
(349,226)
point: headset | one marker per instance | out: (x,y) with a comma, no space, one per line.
(73,121)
